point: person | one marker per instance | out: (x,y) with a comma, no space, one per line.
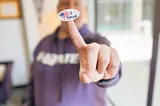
(73,66)
(2,72)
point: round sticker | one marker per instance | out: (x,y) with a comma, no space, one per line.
(68,14)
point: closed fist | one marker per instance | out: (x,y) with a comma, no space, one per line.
(97,61)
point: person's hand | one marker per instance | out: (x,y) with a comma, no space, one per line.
(96,61)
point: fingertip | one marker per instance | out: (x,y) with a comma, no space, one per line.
(101,71)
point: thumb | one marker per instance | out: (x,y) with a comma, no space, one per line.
(84,77)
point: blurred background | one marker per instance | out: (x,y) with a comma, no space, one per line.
(132,26)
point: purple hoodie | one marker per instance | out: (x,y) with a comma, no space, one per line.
(55,74)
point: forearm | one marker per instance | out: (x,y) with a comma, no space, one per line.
(30,90)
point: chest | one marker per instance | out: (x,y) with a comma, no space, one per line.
(57,53)
(55,62)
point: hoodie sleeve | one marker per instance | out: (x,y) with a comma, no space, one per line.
(30,92)
(30,88)
(102,40)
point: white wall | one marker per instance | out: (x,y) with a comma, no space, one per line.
(91,18)
(15,38)
(11,48)
(31,24)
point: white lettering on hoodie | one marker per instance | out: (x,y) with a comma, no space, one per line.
(51,58)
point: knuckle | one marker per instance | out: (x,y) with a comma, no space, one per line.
(113,74)
(104,46)
(115,64)
(115,54)
(105,52)
(92,47)
(82,48)
(114,50)
(94,44)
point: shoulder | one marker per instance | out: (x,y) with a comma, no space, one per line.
(46,39)
(96,37)
(43,43)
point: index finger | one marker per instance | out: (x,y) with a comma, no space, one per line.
(75,36)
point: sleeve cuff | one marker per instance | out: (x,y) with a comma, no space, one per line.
(106,80)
